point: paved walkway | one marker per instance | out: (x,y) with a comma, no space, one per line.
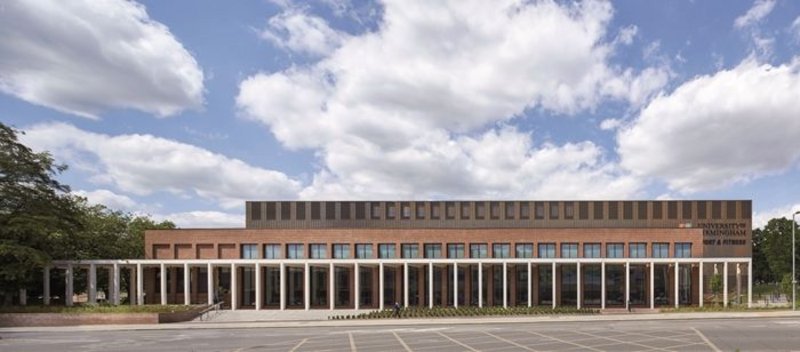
(371,323)
(244,315)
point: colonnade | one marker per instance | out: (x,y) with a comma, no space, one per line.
(137,274)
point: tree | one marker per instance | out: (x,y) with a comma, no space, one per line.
(34,207)
(777,245)
(761,269)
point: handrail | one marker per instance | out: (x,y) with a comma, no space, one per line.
(214,307)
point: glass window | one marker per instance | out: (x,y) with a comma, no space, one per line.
(547,250)
(660,250)
(553,210)
(524,250)
(410,250)
(637,250)
(318,251)
(591,250)
(569,250)
(478,250)
(294,251)
(272,251)
(363,251)
(501,250)
(455,250)
(683,250)
(249,251)
(386,250)
(615,250)
(342,251)
(433,250)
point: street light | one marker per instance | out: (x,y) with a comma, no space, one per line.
(794,256)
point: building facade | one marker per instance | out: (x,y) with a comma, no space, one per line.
(358,255)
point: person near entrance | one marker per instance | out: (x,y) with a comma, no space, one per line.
(397,309)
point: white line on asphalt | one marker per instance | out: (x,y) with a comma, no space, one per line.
(352,342)
(509,341)
(621,341)
(298,345)
(456,341)
(706,340)
(401,341)
(564,341)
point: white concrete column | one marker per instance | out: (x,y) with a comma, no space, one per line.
(480,284)
(115,284)
(69,291)
(578,270)
(380,286)
(332,286)
(700,282)
(530,285)
(92,284)
(455,285)
(627,284)
(234,288)
(750,283)
(430,285)
(553,284)
(505,285)
(725,284)
(259,289)
(307,286)
(283,285)
(602,285)
(139,284)
(677,285)
(405,285)
(356,285)
(163,284)
(187,277)
(652,285)
(210,283)
(23,297)
(46,284)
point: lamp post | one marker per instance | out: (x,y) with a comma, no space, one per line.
(794,256)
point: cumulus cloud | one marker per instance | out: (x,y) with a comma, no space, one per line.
(412,108)
(84,57)
(109,199)
(761,218)
(761,43)
(610,124)
(795,29)
(298,31)
(626,34)
(716,130)
(143,164)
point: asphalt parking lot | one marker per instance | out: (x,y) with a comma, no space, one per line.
(754,334)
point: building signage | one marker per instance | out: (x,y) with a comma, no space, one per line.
(724,234)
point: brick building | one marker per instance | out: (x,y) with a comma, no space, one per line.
(340,254)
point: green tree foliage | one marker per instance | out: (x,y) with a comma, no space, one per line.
(761,270)
(777,246)
(34,209)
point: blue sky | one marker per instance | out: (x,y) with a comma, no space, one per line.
(184,109)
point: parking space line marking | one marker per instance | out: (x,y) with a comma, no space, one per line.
(401,341)
(352,342)
(298,345)
(623,341)
(565,341)
(706,340)
(456,341)
(509,341)
(673,339)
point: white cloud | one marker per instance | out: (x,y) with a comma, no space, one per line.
(610,124)
(716,130)
(109,199)
(144,164)
(298,31)
(795,29)
(626,34)
(84,57)
(761,218)
(203,219)
(413,108)
(759,10)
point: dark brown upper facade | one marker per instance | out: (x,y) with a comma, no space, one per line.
(712,215)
